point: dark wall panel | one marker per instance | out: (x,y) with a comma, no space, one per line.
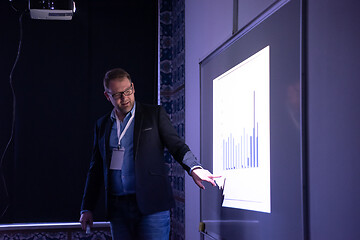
(334,115)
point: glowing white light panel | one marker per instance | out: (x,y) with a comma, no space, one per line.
(241,133)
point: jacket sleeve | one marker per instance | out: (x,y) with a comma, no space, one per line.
(176,146)
(94,180)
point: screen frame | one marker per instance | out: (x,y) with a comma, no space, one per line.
(254,225)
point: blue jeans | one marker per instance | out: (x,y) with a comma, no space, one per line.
(128,223)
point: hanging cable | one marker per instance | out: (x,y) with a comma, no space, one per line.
(3,181)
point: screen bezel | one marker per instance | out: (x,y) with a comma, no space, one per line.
(282,31)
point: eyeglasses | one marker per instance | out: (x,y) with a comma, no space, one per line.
(127,92)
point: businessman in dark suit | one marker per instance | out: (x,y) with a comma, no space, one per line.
(128,160)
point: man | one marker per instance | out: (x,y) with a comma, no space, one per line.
(128,160)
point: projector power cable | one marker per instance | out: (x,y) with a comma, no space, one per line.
(13,114)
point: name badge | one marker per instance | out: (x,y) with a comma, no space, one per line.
(117,158)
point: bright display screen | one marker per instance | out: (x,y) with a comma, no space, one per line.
(241,133)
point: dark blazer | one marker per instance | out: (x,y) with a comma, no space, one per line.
(152,132)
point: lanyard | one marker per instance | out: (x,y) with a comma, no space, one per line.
(120,136)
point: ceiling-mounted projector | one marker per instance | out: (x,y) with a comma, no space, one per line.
(51,9)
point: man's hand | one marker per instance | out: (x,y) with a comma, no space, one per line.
(86,218)
(200,174)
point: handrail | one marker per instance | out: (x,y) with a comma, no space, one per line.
(39,226)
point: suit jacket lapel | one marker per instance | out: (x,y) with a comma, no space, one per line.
(137,128)
(105,141)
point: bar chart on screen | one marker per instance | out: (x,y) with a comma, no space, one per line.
(244,152)
(241,133)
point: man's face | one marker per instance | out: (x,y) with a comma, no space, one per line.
(121,94)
